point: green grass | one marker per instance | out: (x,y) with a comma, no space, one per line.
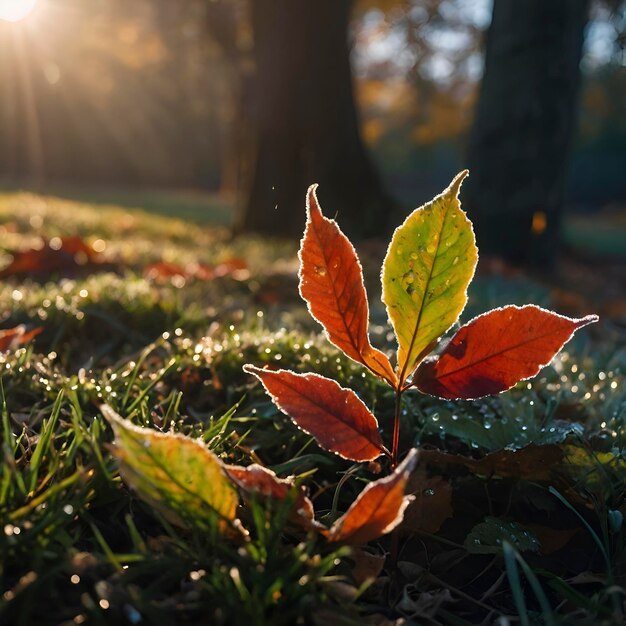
(76,546)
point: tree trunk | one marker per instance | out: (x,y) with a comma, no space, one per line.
(300,123)
(523,127)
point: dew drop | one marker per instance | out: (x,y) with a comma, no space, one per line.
(456,260)
(320,269)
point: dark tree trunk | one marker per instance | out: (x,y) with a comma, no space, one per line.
(301,123)
(523,127)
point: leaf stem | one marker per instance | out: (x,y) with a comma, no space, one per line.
(395,445)
(395,449)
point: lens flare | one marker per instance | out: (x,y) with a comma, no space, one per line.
(16,10)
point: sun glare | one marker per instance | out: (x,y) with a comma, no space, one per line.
(16,10)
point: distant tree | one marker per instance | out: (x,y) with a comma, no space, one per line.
(300,122)
(523,127)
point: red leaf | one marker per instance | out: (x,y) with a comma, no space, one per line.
(65,255)
(75,245)
(496,350)
(163,272)
(378,509)
(233,266)
(258,479)
(335,416)
(12,338)
(331,282)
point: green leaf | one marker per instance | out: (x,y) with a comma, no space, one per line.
(487,537)
(429,264)
(177,475)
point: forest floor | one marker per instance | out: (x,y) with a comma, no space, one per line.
(156,317)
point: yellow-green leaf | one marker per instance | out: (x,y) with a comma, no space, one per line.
(429,264)
(177,475)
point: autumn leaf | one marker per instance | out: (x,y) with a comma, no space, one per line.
(59,255)
(488,536)
(335,416)
(432,503)
(177,475)
(12,338)
(378,509)
(533,462)
(495,351)
(256,479)
(428,266)
(331,282)
(164,272)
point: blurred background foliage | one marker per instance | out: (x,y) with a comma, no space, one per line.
(252,100)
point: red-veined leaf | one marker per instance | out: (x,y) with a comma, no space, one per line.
(258,479)
(496,350)
(335,416)
(331,282)
(378,509)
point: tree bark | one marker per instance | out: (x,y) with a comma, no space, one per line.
(523,127)
(301,123)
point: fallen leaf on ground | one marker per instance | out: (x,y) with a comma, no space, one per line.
(532,462)
(432,504)
(59,255)
(256,479)
(552,539)
(13,338)
(166,271)
(366,566)
(177,475)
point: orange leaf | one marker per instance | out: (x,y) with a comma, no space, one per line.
(495,351)
(331,282)
(378,509)
(335,416)
(258,479)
